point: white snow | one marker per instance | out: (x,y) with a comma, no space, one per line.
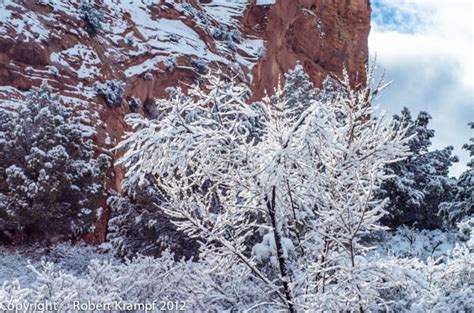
(79,54)
(225,11)
(165,37)
(14,96)
(72,259)
(27,26)
(65,6)
(265,2)
(254,49)
(160,36)
(173,36)
(144,67)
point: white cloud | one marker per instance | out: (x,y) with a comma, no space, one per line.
(427,48)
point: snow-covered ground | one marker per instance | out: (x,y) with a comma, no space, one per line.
(411,243)
(17,264)
(66,274)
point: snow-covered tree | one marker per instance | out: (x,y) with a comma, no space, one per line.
(300,196)
(51,182)
(462,204)
(298,90)
(421,182)
(137,225)
(200,65)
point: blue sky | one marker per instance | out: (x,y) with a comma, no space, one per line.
(426,48)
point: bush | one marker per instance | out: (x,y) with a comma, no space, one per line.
(187,285)
(134,104)
(92,17)
(170,63)
(409,284)
(148,76)
(201,66)
(52,181)
(112,92)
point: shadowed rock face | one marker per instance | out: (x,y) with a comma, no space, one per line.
(150,46)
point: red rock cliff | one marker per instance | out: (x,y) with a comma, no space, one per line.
(151,45)
(323,35)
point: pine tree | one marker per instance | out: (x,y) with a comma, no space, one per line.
(421,182)
(462,205)
(298,90)
(52,182)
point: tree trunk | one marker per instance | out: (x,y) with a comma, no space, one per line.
(279,250)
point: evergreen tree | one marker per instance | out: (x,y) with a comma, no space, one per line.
(137,225)
(463,203)
(51,180)
(421,182)
(298,91)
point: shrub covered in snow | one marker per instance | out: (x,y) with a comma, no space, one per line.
(405,242)
(142,280)
(170,63)
(50,181)
(69,258)
(130,40)
(200,65)
(53,70)
(230,37)
(199,16)
(91,16)
(111,91)
(134,104)
(433,285)
(148,76)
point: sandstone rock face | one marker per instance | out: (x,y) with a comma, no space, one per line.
(152,45)
(323,35)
